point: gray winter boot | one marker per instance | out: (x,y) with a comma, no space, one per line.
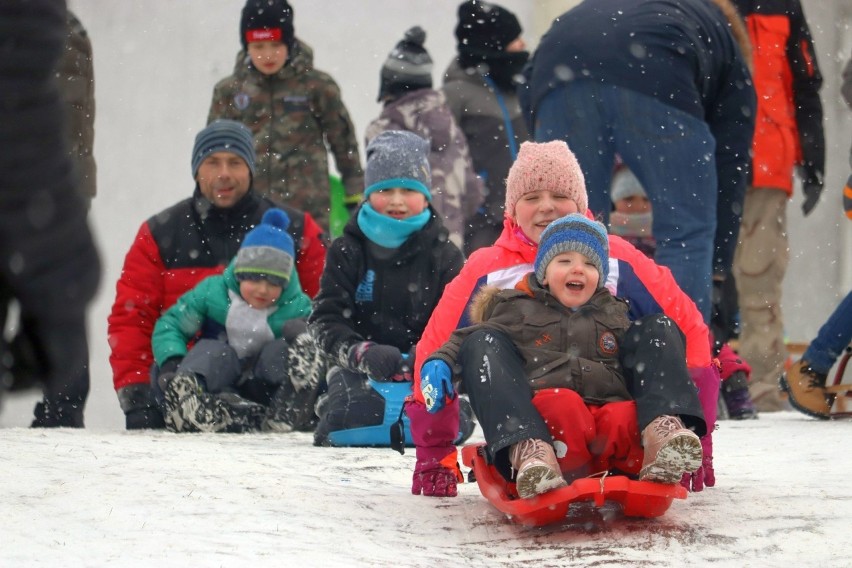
(189,409)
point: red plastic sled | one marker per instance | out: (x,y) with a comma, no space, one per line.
(637,498)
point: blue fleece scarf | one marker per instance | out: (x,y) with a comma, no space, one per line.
(386,231)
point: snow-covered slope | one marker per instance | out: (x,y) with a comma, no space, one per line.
(84,498)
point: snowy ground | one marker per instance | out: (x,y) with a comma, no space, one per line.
(88,498)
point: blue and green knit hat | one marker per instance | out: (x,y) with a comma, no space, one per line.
(267,252)
(398,158)
(574,232)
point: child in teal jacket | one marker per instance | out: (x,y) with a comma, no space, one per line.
(252,365)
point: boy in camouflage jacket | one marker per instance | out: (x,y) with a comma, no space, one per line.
(292,109)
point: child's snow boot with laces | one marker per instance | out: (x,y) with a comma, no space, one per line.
(536,467)
(670,450)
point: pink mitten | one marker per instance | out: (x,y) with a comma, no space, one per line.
(436,472)
(704,475)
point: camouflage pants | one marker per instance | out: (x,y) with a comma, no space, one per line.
(760,263)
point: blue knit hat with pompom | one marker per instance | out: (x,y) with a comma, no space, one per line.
(267,252)
(574,232)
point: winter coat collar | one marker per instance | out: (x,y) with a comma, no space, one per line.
(488,297)
(209,212)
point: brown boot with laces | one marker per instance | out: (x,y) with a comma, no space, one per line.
(806,390)
(536,466)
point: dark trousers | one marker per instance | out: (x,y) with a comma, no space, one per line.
(653,356)
(55,356)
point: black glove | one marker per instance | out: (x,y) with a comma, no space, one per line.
(167,370)
(812,186)
(379,362)
(140,409)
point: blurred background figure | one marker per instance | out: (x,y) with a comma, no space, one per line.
(410,103)
(669,91)
(631,217)
(805,381)
(480,88)
(788,134)
(48,260)
(76,76)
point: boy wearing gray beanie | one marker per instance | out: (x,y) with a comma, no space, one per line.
(382,279)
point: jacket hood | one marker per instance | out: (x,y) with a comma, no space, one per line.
(433,104)
(483,304)
(510,240)
(455,72)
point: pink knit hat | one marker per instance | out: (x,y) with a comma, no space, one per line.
(546,166)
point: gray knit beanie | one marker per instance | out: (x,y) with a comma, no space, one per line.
(625,184)
(398,158)
(224,136)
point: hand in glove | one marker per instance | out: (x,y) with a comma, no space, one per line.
(436,384)
(436,472)
(812,185)
(167,370)
(379,362)
(140,410)
(704,476)
(847,197)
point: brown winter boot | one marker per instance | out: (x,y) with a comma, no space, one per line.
(806,390)
(536,467)
(670,450)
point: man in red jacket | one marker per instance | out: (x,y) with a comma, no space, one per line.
(178,247)
(788,133)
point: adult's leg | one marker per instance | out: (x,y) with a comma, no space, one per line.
(833,337)
(654,359)
(671,153)
(760,263)
(493,377)
(66,387)
(577,113)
